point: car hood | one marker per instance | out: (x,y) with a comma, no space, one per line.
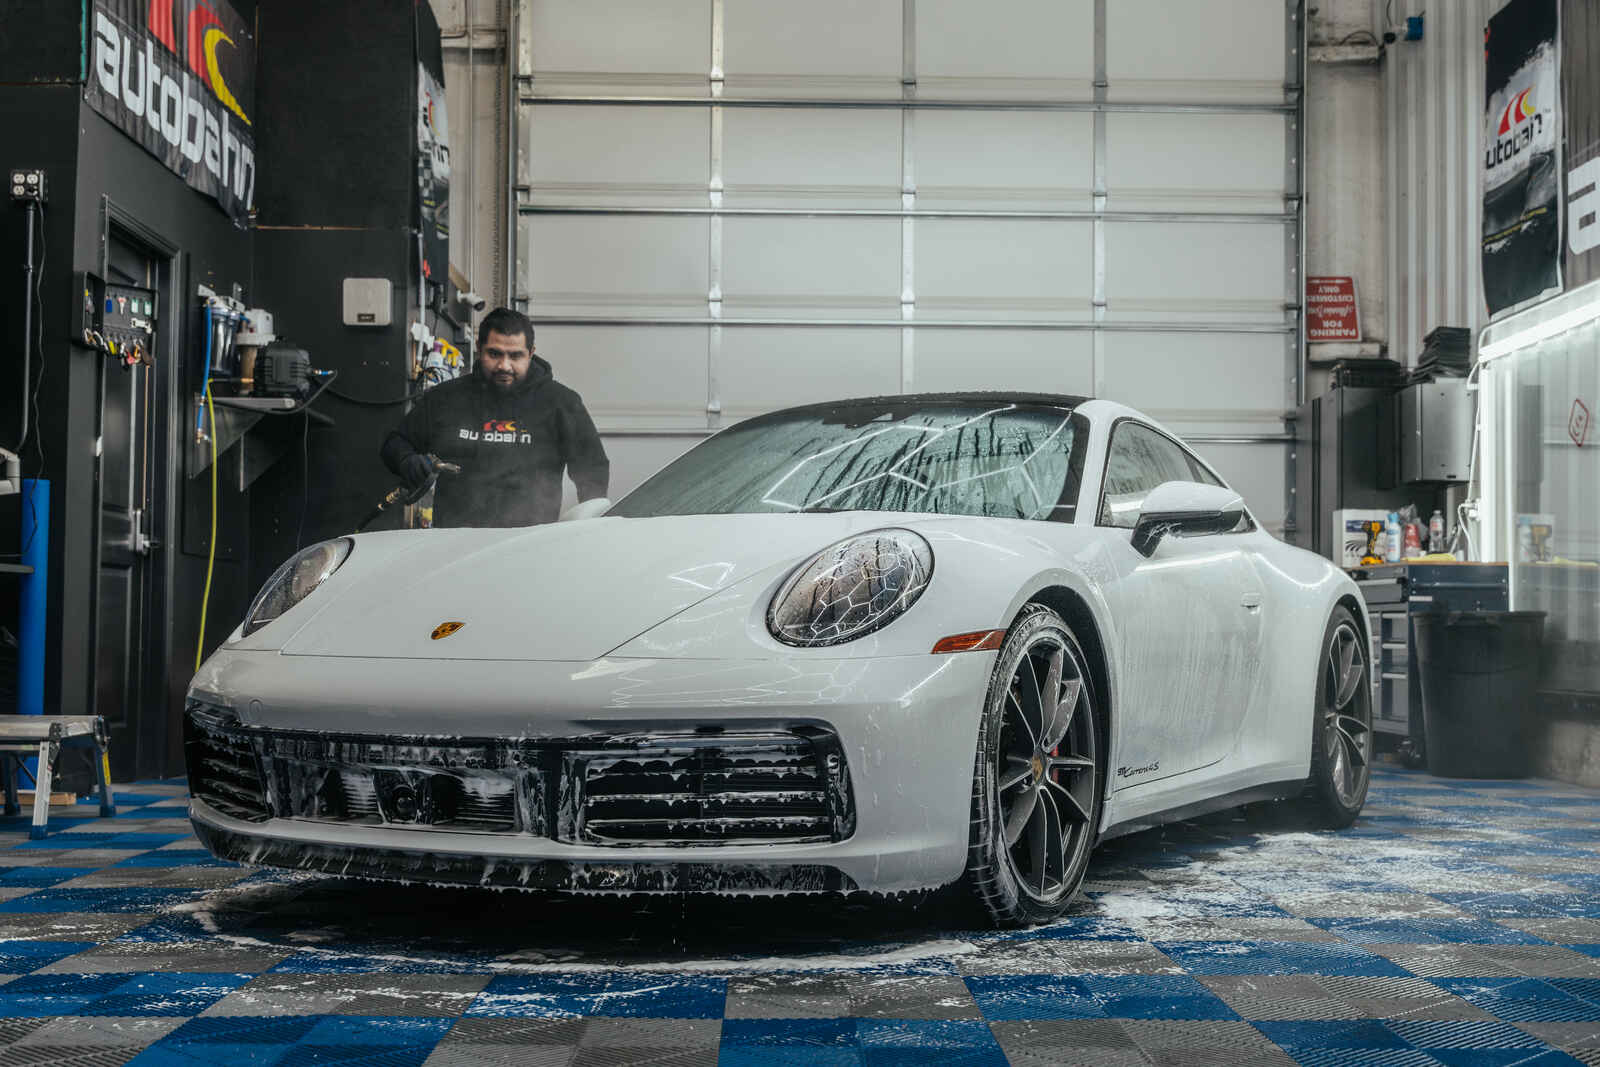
(566,591)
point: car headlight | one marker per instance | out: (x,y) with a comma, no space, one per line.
(852,588)
(294,581)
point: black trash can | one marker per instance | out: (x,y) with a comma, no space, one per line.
(1479,673)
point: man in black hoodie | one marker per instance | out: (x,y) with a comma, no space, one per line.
(510,428)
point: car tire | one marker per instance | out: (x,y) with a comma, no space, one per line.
(1341,727)
(1038,776)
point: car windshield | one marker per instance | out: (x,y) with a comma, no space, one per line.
(991,458)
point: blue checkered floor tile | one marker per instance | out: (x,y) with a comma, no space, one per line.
(1457,923)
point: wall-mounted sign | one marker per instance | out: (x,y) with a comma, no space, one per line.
(1578,423)
(1331,310)
(1521,149)
(179,77)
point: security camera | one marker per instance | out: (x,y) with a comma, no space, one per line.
(472,300)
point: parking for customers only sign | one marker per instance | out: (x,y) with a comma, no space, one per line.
(1331,310)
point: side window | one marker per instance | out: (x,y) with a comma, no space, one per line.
(1139,459)
(1198,473)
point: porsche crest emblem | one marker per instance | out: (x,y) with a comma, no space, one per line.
(445,629)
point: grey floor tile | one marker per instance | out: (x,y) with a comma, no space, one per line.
(69,925)
(662,1035)
(1564,1035)
(203,956)
(1069,957)
(911,997)
(1166,1035)
(1343,904)
(801,996)
(448,1053)
(1067,1041)
(87,1031)
(404,995)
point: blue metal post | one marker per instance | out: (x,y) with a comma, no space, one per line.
(35,539)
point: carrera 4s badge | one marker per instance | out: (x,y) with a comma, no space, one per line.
(1129,772)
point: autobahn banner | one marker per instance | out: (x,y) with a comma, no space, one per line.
(1522,155)
(178,76)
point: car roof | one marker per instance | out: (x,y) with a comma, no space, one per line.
(938,399)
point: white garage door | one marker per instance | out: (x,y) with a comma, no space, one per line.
(729,206)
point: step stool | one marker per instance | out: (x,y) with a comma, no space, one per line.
(22,736)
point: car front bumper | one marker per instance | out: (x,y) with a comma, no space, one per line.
(904,729)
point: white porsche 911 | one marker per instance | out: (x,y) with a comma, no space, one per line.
(877,645)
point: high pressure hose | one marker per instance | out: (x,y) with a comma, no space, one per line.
(211,557)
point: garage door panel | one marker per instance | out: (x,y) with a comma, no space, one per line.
(1211,383)
(824,268)
(1043,361)
(800,157)
(765,368)
(618,156)
(1199,272)
(1195,162)
(620,46)
(1004,269)
(633,376)
(1045,47)
(828,47)
(633,459)
(1004,160)
(598,265)
(1220,50)
(1255,472)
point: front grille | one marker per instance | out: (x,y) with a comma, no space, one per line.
(713,789)
(709,787)
(224,770)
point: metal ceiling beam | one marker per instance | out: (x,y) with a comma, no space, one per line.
(931,324)
(920,104)
(1224,217)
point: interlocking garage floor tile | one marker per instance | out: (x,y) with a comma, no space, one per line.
(1456,923)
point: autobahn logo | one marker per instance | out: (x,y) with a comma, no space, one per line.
(497,431)
(178,76)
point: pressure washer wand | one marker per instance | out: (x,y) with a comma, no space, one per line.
(405,494)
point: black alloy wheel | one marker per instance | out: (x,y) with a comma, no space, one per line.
(1341,731)
(1037,782)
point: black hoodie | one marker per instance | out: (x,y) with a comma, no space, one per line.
(511,447)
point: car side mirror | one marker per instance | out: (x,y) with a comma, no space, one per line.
(1185,509)
(588,509)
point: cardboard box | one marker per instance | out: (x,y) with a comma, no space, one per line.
(1350,535)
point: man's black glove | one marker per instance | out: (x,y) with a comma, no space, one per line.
(416,469)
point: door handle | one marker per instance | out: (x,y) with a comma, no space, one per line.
(1250,601)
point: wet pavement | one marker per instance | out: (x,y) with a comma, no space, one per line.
(1458,923)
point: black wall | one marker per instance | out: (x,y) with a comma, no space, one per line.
(214,253)
(335,199)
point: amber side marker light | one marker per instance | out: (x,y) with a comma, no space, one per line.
(977,641)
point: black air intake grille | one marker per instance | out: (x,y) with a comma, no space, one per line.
(713,789)
(224,770)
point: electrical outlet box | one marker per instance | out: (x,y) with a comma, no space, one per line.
(27,185)
(368,301)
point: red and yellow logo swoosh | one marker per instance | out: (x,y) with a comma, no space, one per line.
(1518,111)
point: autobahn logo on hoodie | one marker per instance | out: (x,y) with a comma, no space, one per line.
(497,431)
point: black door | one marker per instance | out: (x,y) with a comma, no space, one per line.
(130,629)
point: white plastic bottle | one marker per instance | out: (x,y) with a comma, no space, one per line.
(1395,538)
(1436,531)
